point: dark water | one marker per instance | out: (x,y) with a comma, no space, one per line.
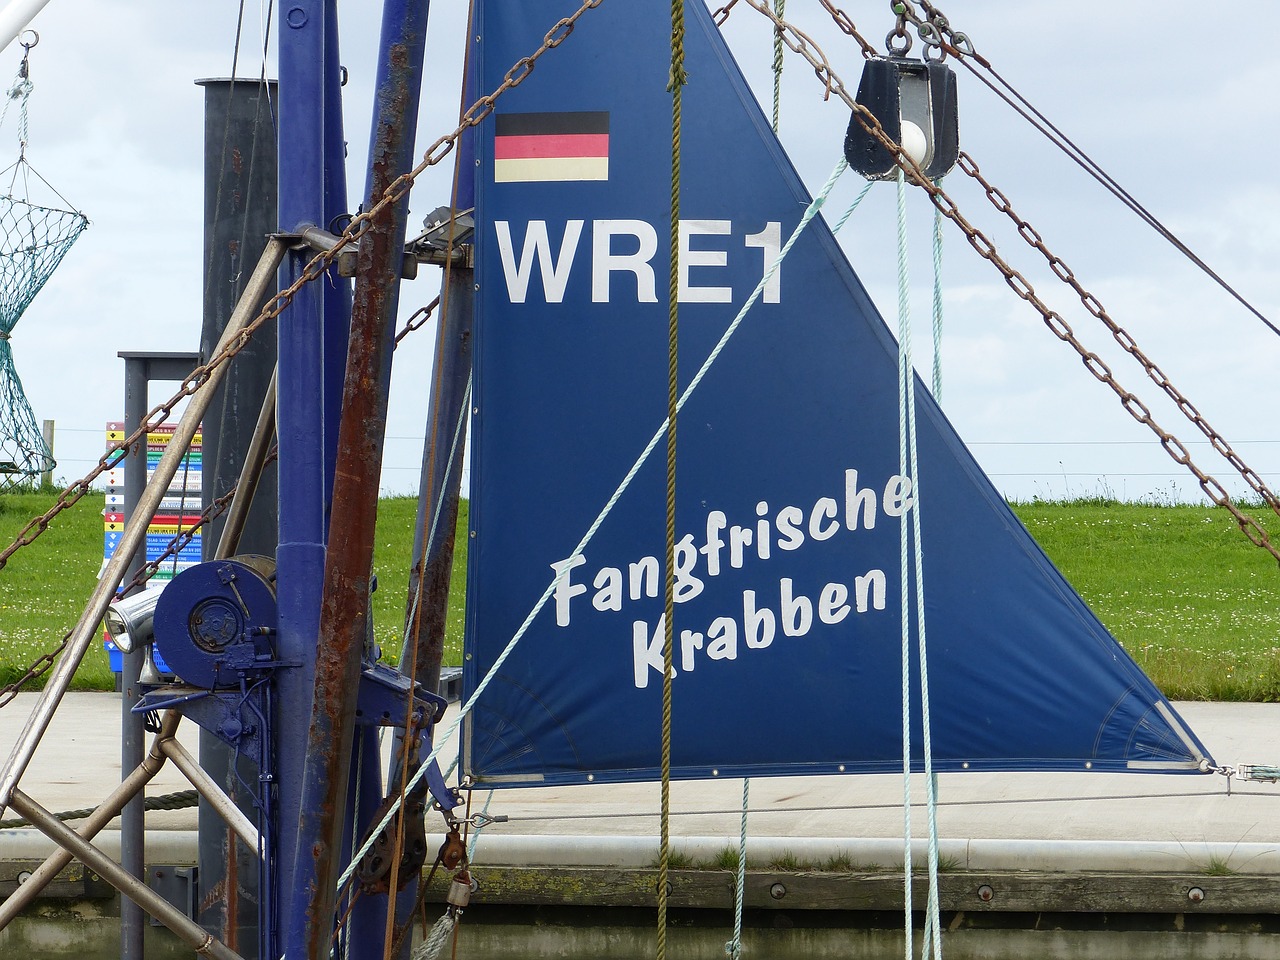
(97,938)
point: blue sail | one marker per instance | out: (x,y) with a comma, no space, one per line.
(789,492)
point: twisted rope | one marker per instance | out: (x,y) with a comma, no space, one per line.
(779,9)
(734,947)
(904,374)
(909,466)
(675,87)
(170,801)
(937,302)
(441,930)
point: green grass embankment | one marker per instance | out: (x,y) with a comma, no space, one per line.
(1193,601)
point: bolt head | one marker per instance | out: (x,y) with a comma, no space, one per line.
(1195,895)
(777,891)
(986,894)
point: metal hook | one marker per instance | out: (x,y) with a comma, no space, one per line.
(899,31)
(931,36)
(22,40)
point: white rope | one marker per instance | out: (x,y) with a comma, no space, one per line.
(810,212)
(937,301)
(475,835)
(904,360)
(910,467)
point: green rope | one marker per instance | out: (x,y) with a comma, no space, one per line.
(937,300)
(779,9)
(909,466)
(676,87)
(904,360)
(170,801)
(734,947)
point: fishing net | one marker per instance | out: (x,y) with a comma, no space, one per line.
(33,241)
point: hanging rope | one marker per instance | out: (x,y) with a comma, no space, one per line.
(433,945)
(904,325)
(675,86)
(734,947)
(937,302)
(909,467)
(779,10)
(33,241)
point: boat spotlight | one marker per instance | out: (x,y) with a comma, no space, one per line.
(129,621)
(915,102)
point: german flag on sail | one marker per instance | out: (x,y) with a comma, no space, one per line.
(551,147)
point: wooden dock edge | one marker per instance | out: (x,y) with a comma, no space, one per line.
(969,891)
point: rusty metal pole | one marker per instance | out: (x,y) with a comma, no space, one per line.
(349,557)
(438,488)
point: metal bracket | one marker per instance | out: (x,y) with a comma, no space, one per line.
(178,886)
(322,241)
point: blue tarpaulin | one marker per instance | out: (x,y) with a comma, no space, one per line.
(790,494)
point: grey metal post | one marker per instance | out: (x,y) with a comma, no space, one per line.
(140,368)
(239,212)
(46,478)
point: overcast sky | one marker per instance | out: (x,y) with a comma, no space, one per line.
(1163,98)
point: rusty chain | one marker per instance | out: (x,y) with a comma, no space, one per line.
(1064,273)
(418,319)
(847,26)
(957,43)
(1176,449)
(144,573)
(804,45)
(720,16)
(359,224)
(1125,339)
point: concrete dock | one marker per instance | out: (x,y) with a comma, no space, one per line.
(1132,843)
(78,763)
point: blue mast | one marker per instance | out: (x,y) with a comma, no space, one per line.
(312,184)
(315,752)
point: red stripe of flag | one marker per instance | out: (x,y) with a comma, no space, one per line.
(547,146)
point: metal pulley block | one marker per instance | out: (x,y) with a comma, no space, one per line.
(374,869)
(915,103)
(453,850)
